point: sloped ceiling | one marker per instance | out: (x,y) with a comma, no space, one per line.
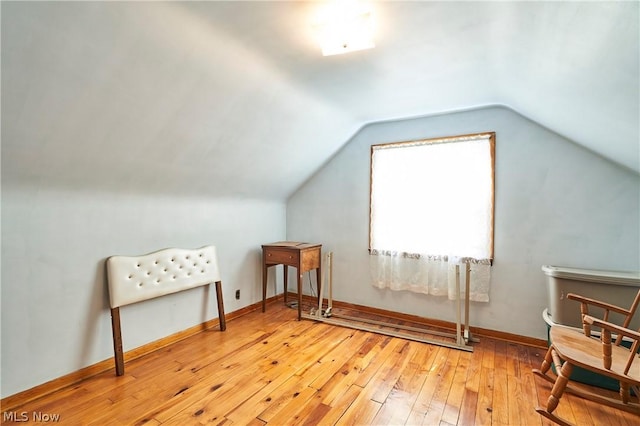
(235,99)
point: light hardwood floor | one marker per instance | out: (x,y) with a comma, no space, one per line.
(272,369)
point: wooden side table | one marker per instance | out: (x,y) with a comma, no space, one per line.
(303,256)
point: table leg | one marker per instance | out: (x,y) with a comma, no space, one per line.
(286,285)
(300,275)
(264,284)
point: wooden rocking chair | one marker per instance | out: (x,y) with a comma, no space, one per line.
(570,347)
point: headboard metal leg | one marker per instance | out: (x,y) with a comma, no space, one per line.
(223,322)
(117,341)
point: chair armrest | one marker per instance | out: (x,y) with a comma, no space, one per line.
(612,327)
(597,303)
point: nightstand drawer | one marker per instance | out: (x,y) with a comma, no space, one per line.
(287,257)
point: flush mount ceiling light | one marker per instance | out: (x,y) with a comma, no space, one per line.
(345,26)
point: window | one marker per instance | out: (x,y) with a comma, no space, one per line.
(434,198)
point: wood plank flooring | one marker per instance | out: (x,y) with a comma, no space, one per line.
(270,369)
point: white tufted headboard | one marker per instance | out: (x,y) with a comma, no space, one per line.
(134,279)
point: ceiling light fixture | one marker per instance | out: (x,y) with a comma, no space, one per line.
(345,26)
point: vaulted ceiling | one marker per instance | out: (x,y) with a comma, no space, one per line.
(235,98)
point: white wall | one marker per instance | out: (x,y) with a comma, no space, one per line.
(556,203)
(55,309)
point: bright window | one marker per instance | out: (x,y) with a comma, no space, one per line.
(434,197)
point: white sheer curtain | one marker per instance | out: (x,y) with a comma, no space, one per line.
(432,208)
(427,275)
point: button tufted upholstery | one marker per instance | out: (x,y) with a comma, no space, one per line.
(136,278)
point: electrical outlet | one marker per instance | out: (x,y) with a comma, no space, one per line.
(237,294)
